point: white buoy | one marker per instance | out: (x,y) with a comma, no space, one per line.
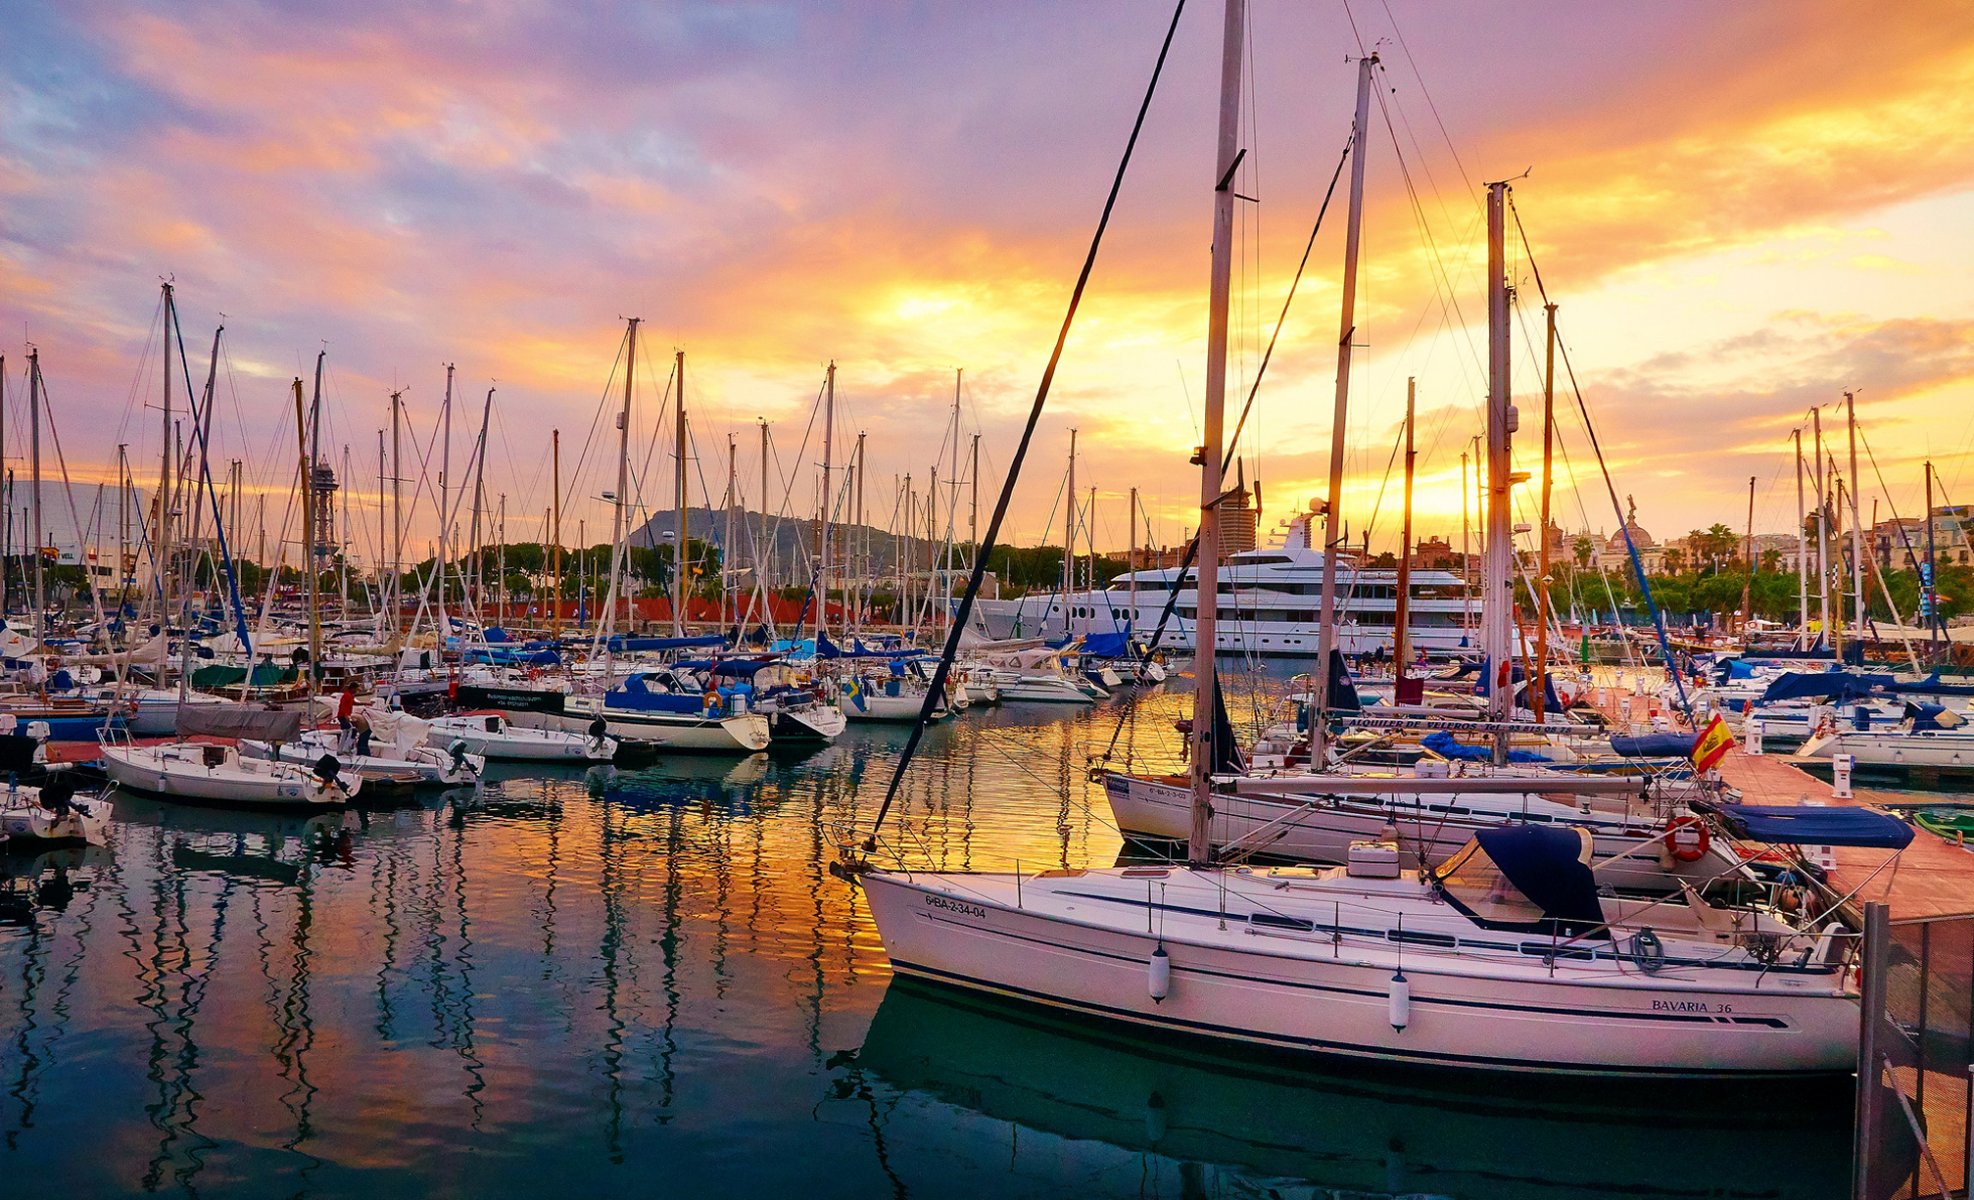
(1160,972)
(1841,766)
(1400,1003)
(1753,728)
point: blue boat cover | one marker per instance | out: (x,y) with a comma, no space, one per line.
(1926,717)
(1825,685)
(1544,864)
(1817,825)
(731,668)
(1444,744)
(1652,745)
(622,645)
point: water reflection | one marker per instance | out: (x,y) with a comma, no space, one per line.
(577,980)
(1201,1122)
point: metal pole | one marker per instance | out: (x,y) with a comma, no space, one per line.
(1497,602)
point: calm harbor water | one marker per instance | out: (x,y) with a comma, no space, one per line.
(590,984)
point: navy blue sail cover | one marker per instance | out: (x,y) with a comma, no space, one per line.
(1652,745)
(1825,685)
(1816,825)
(1543,863)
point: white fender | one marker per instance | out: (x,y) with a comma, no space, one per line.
(1400,1003)
(1159,975)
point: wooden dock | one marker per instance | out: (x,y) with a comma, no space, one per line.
(1931,878)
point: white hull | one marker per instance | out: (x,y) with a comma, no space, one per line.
(744,734)
(1937,750)
(433,768)
(887,709)
(512,743)
(1323,832)
(182,770)
(1079,941)
(23,821)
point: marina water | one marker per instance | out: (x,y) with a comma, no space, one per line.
(647,982)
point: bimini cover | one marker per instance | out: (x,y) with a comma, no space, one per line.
(1528,877)
(1926,717)
(1825,685)
(1652,745)
(1814,825)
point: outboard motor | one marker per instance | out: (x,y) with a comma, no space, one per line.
(328,772)
(461,768)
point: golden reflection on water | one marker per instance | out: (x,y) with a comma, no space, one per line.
(588,982)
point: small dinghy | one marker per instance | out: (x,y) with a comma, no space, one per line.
(490,736)
(35,818)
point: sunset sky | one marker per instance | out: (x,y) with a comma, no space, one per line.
(1743,210)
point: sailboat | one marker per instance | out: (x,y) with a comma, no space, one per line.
(1506,957)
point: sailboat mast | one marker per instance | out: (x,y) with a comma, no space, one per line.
(1199,846)
(1802,548)
(34,485)
(1748,560)
(1498,600)
(162,547)
(1539,689)
(308,557)
(681,560)
(1131,560)
(1932,583)
(763,553)
(1822,533)
(445,505)
(397,512)
(1069,534)
(828,495)
(863,573)
(1402,616)
(1347,332)
(726,536)
(1857,527)
(555,534)
(619,497)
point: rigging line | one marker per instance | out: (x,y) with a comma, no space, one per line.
(959,621)
(1443,279)
(1282,317)
(1425,91)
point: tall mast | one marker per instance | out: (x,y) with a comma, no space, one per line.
(555,534)
(308,558)
(863,536)
(397,512)
(34,485)
(1466,558)
(1802,549)
(726,536)
(681,561)
(1857,527)
(1402,617)
(1540,684)
(1932,582)
(500,562)
(763,553)
(478,595)
(1748,560)
(1226,160)
(621,495)
(1069,535)
(1347,332)
(1822,534)
(123,511)
(828,495)
(445,505)
(1130,555)
(163,544)
(1497,602)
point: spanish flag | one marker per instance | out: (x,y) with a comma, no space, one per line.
(1712,745)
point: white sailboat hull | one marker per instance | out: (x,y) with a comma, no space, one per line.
(514,743)
(1069,944)
(1936,750)
(742,734)
(167,771)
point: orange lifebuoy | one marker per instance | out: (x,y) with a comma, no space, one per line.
(1688,838)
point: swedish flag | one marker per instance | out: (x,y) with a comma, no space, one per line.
(854,689)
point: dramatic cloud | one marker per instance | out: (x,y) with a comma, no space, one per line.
(1742,210)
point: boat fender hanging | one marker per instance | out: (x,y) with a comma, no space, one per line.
(1159,973)
(1400,1002)
(1688,838)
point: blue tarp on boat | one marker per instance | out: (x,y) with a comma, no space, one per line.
(1445,745)
(624,645)
(1652,745)
(1545,864)
(1816,825)
(1825,685)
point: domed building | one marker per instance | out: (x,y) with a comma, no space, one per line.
(1614,555)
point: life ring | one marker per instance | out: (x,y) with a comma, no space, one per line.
(1688,838)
